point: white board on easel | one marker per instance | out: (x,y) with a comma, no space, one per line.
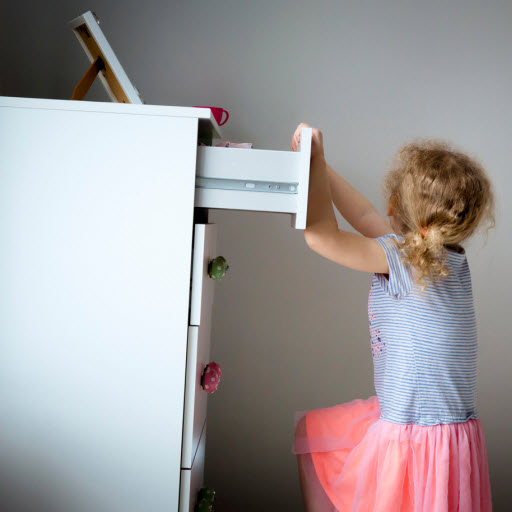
(116,82)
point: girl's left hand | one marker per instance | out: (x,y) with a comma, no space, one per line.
(317,142)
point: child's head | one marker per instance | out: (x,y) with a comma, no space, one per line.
(438,196)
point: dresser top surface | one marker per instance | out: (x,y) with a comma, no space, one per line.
(203,114)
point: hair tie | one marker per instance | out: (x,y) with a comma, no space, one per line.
(424,231)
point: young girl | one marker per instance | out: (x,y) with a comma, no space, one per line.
(417,445)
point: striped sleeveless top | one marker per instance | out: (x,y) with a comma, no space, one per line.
(424,346)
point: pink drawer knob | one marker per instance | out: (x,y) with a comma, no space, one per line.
(211,377)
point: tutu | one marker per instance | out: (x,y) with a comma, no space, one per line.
(363,463)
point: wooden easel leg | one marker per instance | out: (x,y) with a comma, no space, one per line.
(86,81)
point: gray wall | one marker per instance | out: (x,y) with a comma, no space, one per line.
(290,328)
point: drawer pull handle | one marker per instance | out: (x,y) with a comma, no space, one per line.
(205,498)
(217,268)
(211,377)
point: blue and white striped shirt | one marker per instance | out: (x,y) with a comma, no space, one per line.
(424,346)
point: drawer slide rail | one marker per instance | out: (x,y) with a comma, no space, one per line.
(252,185)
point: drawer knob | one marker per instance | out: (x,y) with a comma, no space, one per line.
(205,498)
(211,377)
(217,268)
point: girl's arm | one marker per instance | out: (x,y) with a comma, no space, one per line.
(323,235)
(355,208)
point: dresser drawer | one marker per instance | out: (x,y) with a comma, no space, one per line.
(192,479)
(202,288)
(255,179)
(198,353)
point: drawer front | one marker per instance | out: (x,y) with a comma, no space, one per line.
(198,354)
(192,479)
(201,296)
(226,177)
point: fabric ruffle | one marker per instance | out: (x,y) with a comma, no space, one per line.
(367,464)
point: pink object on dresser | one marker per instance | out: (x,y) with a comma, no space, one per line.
(218,112)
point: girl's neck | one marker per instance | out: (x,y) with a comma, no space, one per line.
(455,247)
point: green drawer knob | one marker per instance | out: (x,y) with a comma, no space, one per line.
(204,506)
(205,498)
(217,268)
(206,493)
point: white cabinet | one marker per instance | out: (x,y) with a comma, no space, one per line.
(198,348)
(192,479)
(95,226)
(104,324)
(202,288)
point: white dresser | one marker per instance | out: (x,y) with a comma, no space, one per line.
(105,299)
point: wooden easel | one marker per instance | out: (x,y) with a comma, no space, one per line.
(102,58)
(87,80)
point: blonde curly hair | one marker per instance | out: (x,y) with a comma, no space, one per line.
(439,197)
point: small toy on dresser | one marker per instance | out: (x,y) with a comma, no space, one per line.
(218,113)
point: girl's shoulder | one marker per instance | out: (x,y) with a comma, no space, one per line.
(398,283)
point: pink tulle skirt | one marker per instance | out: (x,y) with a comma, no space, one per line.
(356,462)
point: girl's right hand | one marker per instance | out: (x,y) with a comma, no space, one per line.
(317,143)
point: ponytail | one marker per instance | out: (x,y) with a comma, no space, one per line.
(423,249)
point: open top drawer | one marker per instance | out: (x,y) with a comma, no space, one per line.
(255,179)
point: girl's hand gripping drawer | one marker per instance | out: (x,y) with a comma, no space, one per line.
(255,179)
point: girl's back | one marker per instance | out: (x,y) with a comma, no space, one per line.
(424,344)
